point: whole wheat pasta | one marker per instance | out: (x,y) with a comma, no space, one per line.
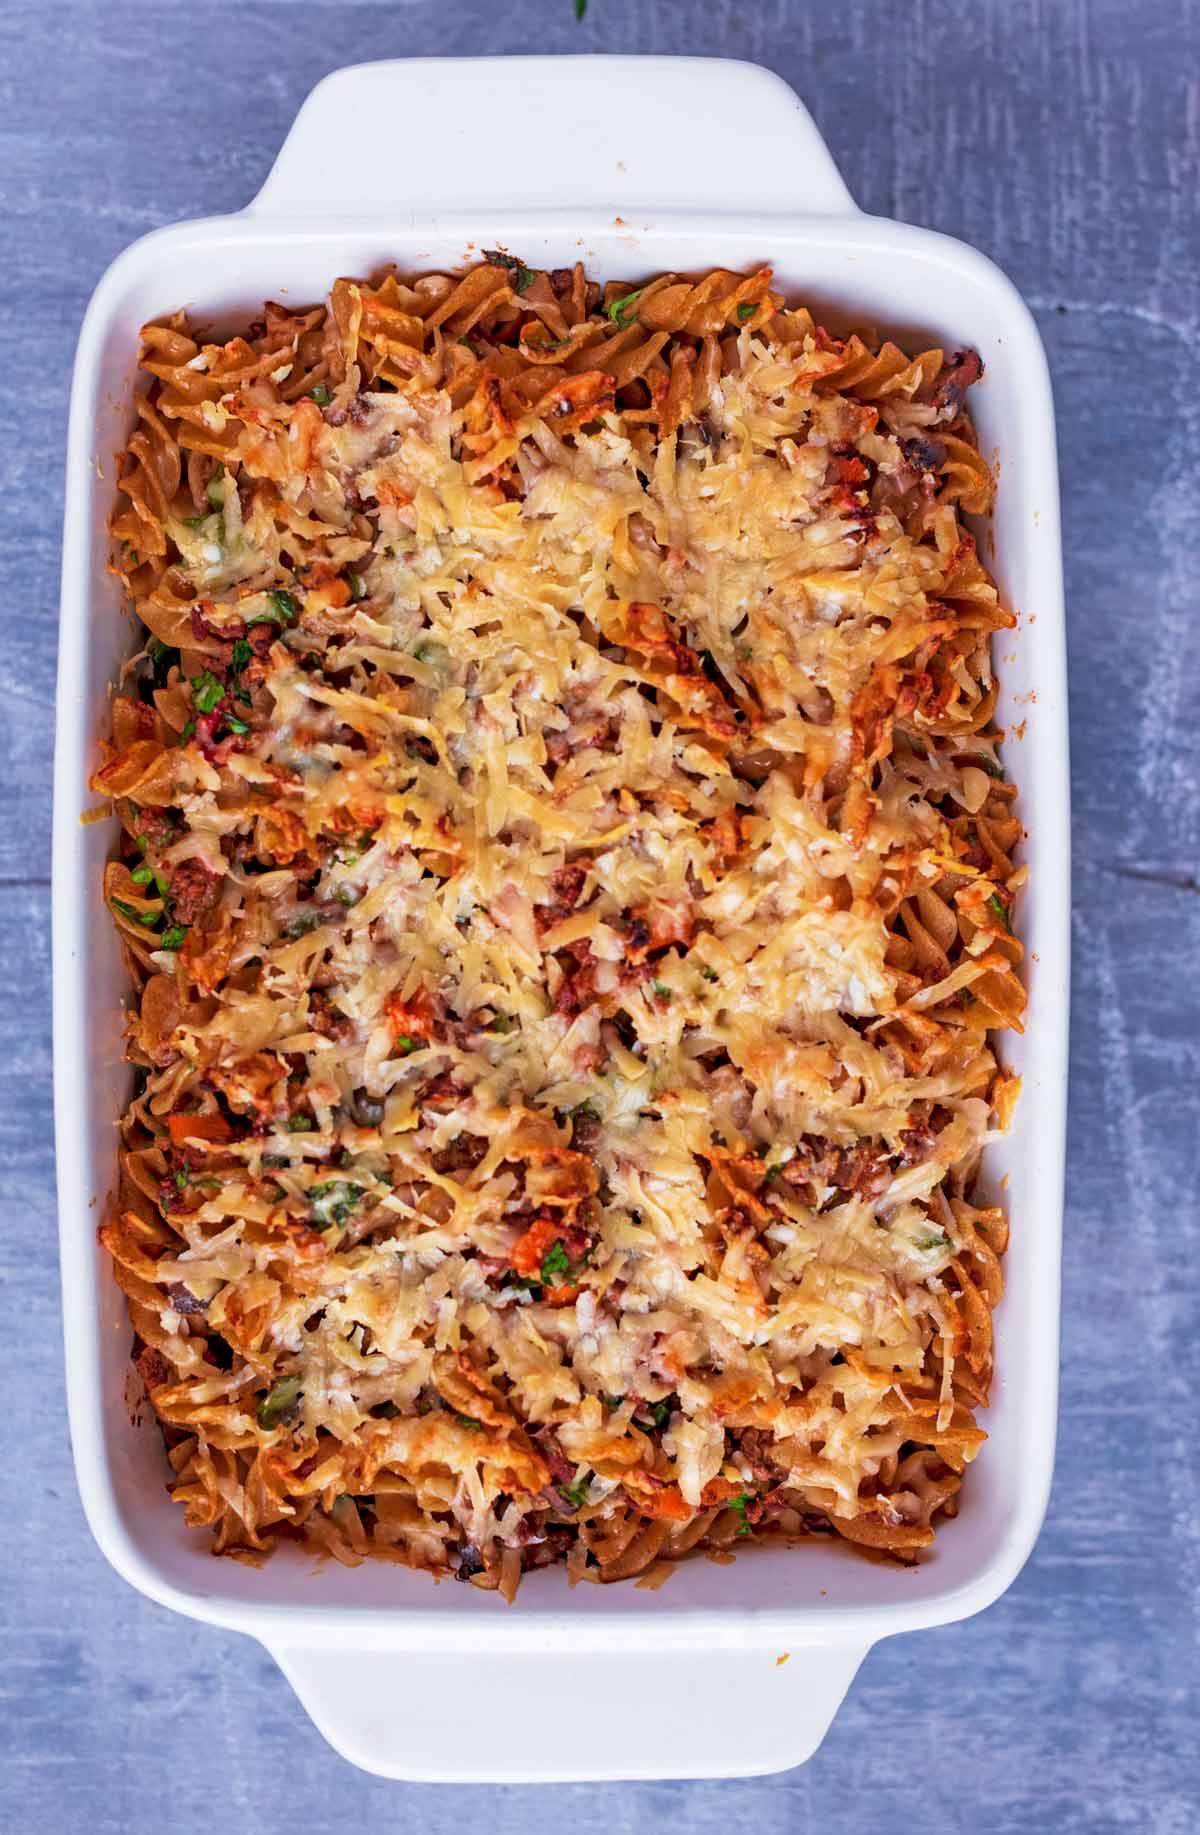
(566,872)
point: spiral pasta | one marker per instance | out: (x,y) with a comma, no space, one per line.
(566,873)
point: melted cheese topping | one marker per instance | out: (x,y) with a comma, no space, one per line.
(556,970)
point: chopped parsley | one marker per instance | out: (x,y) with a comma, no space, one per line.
(321,395)
(300,1124)
(746,310)
(300,926)
(738,1504)
(173,937)
(280,1402)
(467,1420)
(333,1201)
(208,691)
(555,1262)
(576,1493)
(406,1045)
(242,654)
(995,904)
(284,610)
(938,1239)
(236,726)
(522,277)
(662,990)
(659,1412)
(619,310)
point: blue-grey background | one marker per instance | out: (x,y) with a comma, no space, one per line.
(1063,139)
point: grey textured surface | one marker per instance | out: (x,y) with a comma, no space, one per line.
(1063,140)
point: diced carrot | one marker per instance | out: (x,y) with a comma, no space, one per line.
(529,1249)
(199,1127)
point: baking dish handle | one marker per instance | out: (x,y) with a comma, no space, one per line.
(552,1716)
(432,136)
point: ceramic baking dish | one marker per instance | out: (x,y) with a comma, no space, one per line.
(415,162)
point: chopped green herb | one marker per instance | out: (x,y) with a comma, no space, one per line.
(207,691)
(300,926)
(141,876)
(161,654)
(284,610)
(660,1412)
(710,974)
(187,732)
(467,1420)
(406,1045)
(581,7)
(358,587)
(995,904)
(576,1494)
(555,1262)
(661,989)
(321,395)
(347,895)
(738,1504)
(173,937)
(746,310)
(618,310)
(183,1178)
(279,1403)
(612,1401)
(242,654)
(300,1124)
(992,766)
(333,1201)
(235,725)
(938,1239)
(522,277)
(148,918)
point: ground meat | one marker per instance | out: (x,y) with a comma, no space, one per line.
(462,1155)
(325,1019)
(562,1469)
(578,988)
(566,884)
(863,1168)
(753,1446)
(153,1367)
(184,1300)
(919,1143)
(154,826)
(955,378)
(230,627)
(194,891)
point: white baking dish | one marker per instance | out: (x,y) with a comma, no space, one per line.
(401,161)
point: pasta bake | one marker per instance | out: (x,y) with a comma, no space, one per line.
(567,873)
